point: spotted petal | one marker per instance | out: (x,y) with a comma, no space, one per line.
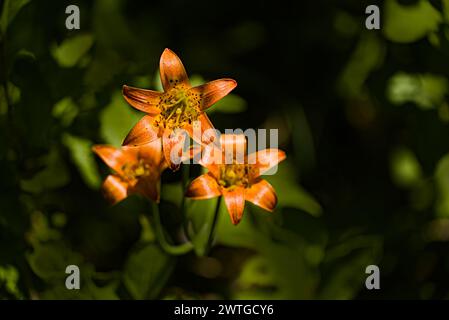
(172,70)
(265,160)
(152,153)
(202,130)
(213,91)
(173,142)
(149,187)
(143,132)
(115,189)
(203,187)
(235,202)
(262,194)
(142,99)
(115,158)
(211,159)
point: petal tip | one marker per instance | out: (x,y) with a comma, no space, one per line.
(235,221)
(125,89)
(168,54)
(282,155)
(99,149)
(95,148)
(233,83)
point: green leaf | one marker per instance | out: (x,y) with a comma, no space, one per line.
(256,275)
(146,272)
(427,91)
(50,261)
(157,82)
(172,192)
(346,263)
(232,103)
(405,168)
(117,119)
(409,23)
(10,10)
(290,193)
(71,50)
(53,176)
(41,230)
(9,278)
(66,110)
(368,54)
(446,10)
(83,157)
(280,271)
(200,213)
(195,80)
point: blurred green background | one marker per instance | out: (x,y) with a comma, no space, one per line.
(363,116)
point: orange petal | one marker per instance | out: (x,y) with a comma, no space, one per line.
(212,158)
(143,132)
(202,130)
(209,133)
(213,91)
(262,194)
(115,189)
(142,99)
(234,147)
(115,158)
(149,187)
(203,187)
(266,159)
(152,153)
(235,202)
(173,145)
(172,70)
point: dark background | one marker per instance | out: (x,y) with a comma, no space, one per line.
(362,115)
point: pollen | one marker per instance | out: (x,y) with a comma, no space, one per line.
(137,170)
(179,107)
(235,175)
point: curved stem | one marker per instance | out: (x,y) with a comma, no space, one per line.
(213,224)
(185,220)
(169,248)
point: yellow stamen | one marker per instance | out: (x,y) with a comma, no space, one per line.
(136,170)
(234,175)
(181,102)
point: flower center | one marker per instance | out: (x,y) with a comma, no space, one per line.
(178,107)
(234,175)
(137,170)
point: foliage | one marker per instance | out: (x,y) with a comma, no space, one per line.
(363,116)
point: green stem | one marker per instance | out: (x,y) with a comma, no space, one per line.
(185,182)
(213,224)
(160,234)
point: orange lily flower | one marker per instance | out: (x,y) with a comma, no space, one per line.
(137,170)
(178,107)
(239,181)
